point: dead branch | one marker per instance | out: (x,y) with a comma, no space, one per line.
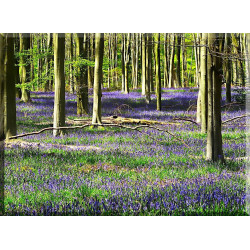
(123,120)
(232,103)
(235,118)
(136,128)
(187,120)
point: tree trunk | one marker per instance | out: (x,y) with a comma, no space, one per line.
(2,83)
(203,83)
(178,55)
(184,63)
(228,74)
(148,70)
(143,58)
(157,71)
(81,76)
(24,67)
(59,102)
(171,68)
(47,62)
(166,52)
(99,50)
(9,89)
(122,63)
(214,137)
(126,61)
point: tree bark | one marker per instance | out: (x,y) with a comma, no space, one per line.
(178,66)
(157,71)
(99,50)
(228,74)
(59,102)
(81,76)
(143,59)
(214,137)
(203,83)
(166,52)
(171,68)
(24,67)
(9,89)
(126,62)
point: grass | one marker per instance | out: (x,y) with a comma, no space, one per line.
(131,173)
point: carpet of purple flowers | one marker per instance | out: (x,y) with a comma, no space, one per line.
(123,172)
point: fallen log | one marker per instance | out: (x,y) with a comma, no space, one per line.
(136,128)
(123,120)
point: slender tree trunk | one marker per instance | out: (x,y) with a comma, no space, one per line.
(228,67)
(150,71)
(99,49)
(143,58)
(9,89)
(2,137)
(81,77)
(24,67)
(157,71)
(171,68)
(126,61)
(122,63)
(166,52)
(133,59)
(178,55)
(203,83)
(59,103)
(184,63)
(47,62)
(70,56)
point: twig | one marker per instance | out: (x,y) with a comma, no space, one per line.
(238,117)
(102,125)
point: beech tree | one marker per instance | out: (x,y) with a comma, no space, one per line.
(59,101)
(99,50)
(24,67)
(171,68)
(157,71)
(9,88)
(81,76)
(2,80)
(214,80)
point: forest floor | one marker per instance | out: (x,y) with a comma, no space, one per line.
(116,171)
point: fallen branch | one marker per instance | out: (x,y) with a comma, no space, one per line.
(232,103)
(102,125)
(123,120)
(187,120)
(235,118)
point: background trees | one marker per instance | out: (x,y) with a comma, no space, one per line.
(124,62)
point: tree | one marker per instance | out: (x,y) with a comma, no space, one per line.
(99,50)
(171,68)
(81,76)
(24,70)
(126,61)
(228,67)
(143,59)
(9,89)
(166,60)
(59,102)
(157,71)
(203,83)
(214,79)
(178,55)
(2,73)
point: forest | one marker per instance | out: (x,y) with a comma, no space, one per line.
(123,124)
